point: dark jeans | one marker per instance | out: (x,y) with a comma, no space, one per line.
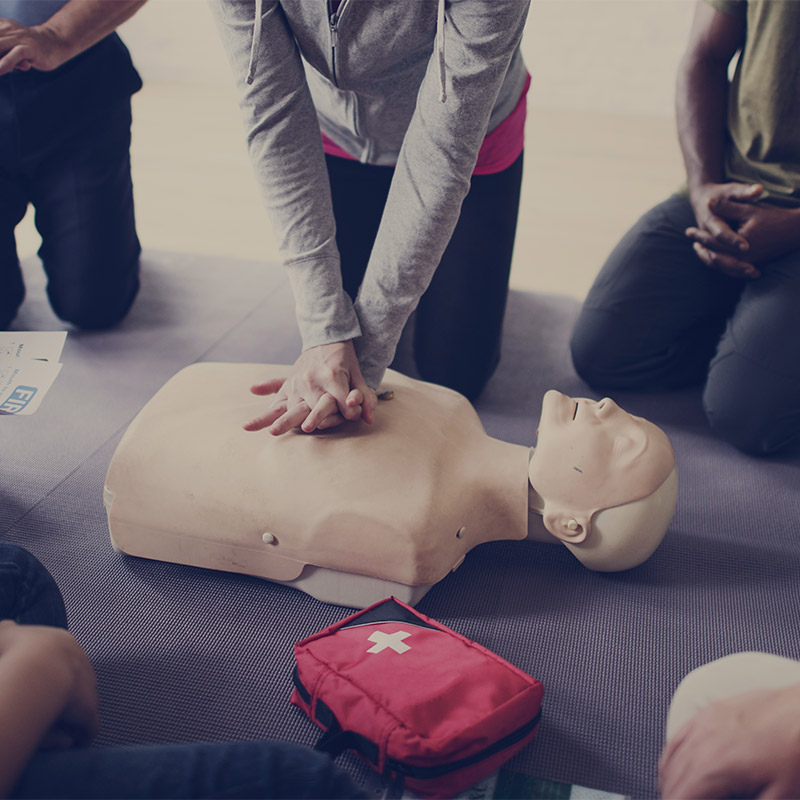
(197,770)
(64,147)
(28,594)
(657,318)
(458,323)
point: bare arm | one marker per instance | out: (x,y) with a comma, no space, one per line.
(734,234)
(701,107)
(702,93)
(47,686)
(72,29)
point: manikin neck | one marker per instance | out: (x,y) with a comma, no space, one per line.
(536,529)
(504,474)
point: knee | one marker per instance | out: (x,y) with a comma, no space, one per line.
(594,356)
(586,353)
(91,317)
(754,412)
(95,307)
(12,297)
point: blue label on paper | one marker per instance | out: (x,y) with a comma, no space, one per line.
(18,399)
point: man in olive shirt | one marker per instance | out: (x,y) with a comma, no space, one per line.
(706,286)
(65,116)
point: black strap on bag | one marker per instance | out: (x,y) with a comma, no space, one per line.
(334,741)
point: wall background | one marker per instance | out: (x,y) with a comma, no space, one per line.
(600,140)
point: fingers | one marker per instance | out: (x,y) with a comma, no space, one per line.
(12,59)
(724,234)
(331,422)
(277,410)
(745,192)
(292,418)
(362,396)
(325,407)
(368,406)
(709,242)
(340,389)
(268,387)
(726,263)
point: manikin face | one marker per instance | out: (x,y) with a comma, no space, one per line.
(592,455)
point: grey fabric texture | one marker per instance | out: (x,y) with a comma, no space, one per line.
(183,653)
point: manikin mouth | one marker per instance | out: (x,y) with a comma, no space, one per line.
(575,414)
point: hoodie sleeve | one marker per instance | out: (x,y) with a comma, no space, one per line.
(433,171)
(285,147)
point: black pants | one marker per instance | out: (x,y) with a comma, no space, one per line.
(64,147)
(657,318)
(459,320)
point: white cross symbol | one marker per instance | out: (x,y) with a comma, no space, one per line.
(394,640)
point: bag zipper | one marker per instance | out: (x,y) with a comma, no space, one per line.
(438,770)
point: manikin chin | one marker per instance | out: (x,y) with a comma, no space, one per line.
(360,512)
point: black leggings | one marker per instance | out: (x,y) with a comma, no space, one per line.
(459,321)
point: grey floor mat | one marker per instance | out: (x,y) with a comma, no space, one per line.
(183,653)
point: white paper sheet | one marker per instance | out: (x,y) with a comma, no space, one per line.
(28,366)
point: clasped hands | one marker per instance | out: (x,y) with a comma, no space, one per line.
(324,388)
(735,234)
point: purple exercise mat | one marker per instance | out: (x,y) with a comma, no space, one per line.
(182,653)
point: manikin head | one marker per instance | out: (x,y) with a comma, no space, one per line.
(603,480)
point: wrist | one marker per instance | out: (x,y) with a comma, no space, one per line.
(55,46)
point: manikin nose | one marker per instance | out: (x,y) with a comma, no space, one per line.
(606,406)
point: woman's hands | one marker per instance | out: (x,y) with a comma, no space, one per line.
(324,388)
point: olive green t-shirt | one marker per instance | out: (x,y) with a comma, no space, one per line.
(764,101)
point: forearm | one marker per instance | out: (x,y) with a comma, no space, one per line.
(81,23)
(701,112)
(33,692)
(702,92)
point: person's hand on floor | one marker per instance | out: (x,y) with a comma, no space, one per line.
(745,746)
(717,241)
(324,388)
(48,695)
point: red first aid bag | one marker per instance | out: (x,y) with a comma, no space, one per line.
(422,704)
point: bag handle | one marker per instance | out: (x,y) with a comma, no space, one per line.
(334,741)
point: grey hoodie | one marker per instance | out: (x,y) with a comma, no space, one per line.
(416,83)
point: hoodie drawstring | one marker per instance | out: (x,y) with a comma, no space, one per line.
(256,43)
(440,22)
(440,51)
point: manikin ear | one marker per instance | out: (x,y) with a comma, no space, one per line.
(572,528)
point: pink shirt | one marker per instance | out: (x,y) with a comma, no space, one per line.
(500,148)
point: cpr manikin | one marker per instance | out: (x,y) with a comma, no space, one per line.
(360,512)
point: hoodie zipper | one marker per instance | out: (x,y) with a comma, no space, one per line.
(333,22)
(333,26)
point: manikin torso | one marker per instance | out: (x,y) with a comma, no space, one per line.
(399,502)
